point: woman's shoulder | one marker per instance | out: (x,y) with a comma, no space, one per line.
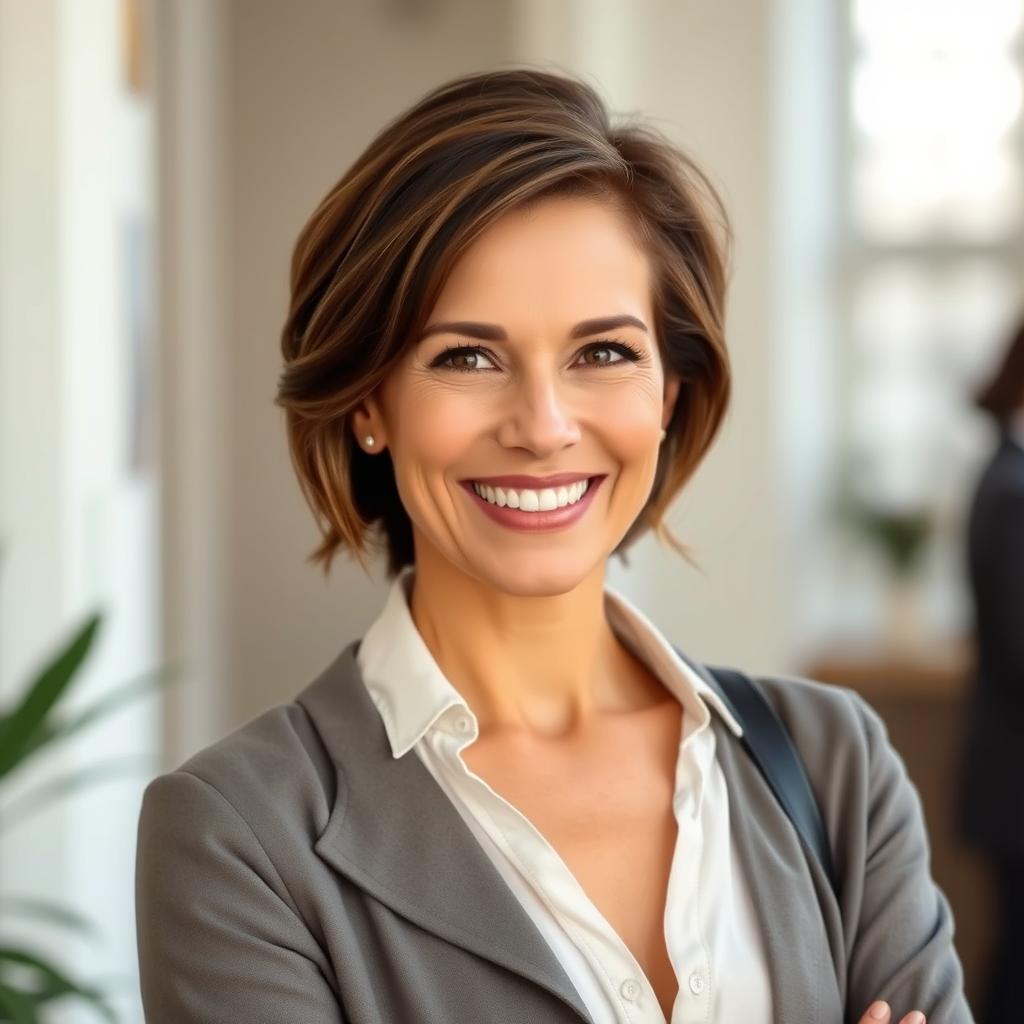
(798,697)
(271,763)
(835,730)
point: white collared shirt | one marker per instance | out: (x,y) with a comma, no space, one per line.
(712,934)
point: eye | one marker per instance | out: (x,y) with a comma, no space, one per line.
(627,353)
(444,360)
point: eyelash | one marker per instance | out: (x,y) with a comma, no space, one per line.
(627,351)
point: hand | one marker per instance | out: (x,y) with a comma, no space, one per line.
(879,1011)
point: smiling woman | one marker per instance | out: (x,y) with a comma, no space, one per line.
(458,196)
(513,799)
(534,395)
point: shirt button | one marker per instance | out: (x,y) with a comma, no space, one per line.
(630,989)
(696,983)
(463,724)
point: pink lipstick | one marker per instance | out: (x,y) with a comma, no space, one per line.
(553,519)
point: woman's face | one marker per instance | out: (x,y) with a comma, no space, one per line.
(531,393)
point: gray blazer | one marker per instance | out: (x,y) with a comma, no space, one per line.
(990,801)
(294,871)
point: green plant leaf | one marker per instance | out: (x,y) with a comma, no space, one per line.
(19,727)
(37,798)
(16,1007)
(114,700)
(54,982)
(44,910)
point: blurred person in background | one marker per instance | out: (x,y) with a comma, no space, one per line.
(991,798)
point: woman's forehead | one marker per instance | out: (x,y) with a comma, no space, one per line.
(566,259)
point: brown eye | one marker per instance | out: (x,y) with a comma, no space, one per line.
(469,355)
(606,351)
(626,353)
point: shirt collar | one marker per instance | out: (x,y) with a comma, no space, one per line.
(412,693)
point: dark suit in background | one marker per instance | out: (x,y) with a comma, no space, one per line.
(991,798)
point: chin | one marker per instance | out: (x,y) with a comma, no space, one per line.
(541,575)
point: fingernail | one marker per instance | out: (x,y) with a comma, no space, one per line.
(879,1011)
(917,1017)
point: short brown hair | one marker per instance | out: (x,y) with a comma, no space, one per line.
(370,262)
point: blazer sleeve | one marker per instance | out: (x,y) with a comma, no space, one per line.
(901,948)
(219,938)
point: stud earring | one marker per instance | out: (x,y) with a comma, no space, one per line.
(370,442)
(663,432)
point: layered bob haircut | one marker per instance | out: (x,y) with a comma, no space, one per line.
(370,263)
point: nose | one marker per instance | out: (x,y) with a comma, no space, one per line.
(540,417)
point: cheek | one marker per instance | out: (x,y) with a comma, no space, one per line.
(438,426)
(631,426)
(631,421)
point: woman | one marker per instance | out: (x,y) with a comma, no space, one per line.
(991,801)
(512,800)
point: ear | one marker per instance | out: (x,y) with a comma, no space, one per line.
(365,418)
(672,384)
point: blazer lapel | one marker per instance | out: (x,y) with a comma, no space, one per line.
(394,833)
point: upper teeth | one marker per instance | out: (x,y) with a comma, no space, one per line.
(533,501)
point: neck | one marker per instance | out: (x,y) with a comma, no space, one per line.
(548,665)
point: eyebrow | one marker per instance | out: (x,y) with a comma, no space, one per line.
(495,332)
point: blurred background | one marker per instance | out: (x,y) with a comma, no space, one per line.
(157,160)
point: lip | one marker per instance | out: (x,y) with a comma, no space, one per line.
(533,522)
(533,483)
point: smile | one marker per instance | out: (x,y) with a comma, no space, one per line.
(523,509)
(526,500)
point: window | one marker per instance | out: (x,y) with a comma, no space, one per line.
(930,267)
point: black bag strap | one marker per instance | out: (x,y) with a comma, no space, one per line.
(768,742)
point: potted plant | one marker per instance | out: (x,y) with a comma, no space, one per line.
(900,532)
(29,978)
